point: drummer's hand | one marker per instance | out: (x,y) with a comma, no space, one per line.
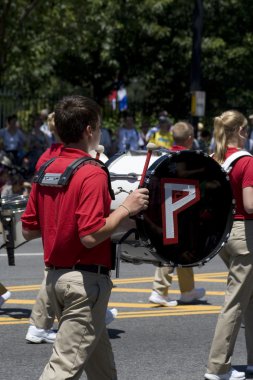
(137,201)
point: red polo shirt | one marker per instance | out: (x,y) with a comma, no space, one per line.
(176,148)
(53,151)
(241,176)
(65,214)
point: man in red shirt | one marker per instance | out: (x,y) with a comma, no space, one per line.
(75,224)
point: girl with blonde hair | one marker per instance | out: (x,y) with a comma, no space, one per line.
(230,133)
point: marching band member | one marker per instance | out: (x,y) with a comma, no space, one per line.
(230,133)
(183,135)
(43,316)
(75,224)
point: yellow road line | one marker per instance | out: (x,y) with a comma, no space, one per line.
(152,310)
(20,302)
(172,310)
(15,322)
(143,290)
(214,274)
(21,288)
(168,315)
(115,290)
(111,304)
(148,314)
(135,281)
(135,305)
(140,305)
(9,319)
(209,277)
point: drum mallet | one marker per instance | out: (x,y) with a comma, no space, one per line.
(150,148)
(100,149)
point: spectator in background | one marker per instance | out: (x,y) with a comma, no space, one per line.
(37,144)
(13,186)
(106,141)
(44,127)
(249,141)
(143,132)
(251,127)
(128,136)
(161,135)
(4,175)
(13,139)
(204,140)
(151,131)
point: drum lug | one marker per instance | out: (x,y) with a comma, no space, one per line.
(121,190)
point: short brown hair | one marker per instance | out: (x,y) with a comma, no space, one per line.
(73,114)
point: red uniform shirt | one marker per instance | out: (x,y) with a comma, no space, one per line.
(65,214)
(53,151)
(176,148)
(241,176)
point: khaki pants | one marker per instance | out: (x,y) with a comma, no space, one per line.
(2,289)
(163,280)
(43,314)
(238,256)
(80,300)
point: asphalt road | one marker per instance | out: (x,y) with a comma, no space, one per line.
(149,342)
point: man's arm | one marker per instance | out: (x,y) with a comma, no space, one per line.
(134,203)
(31,234)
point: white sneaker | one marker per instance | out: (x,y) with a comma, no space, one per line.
(231,375)
(35,335)
(4,297)
(193,295)
(110,315)
(161,300)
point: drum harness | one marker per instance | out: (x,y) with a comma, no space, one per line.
(63,179)
(230,162)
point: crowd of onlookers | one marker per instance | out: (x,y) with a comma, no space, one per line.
(20,151)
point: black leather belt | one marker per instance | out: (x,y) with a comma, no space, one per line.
(88,268)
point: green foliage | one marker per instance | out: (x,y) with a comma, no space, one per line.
(52,48)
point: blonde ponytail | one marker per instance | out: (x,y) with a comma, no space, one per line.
(220,140)
(226,128)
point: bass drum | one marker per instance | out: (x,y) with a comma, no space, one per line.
(190,211)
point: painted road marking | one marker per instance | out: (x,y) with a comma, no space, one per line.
(147,309)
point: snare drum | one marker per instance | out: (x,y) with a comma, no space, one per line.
(190,211)
(11,210)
